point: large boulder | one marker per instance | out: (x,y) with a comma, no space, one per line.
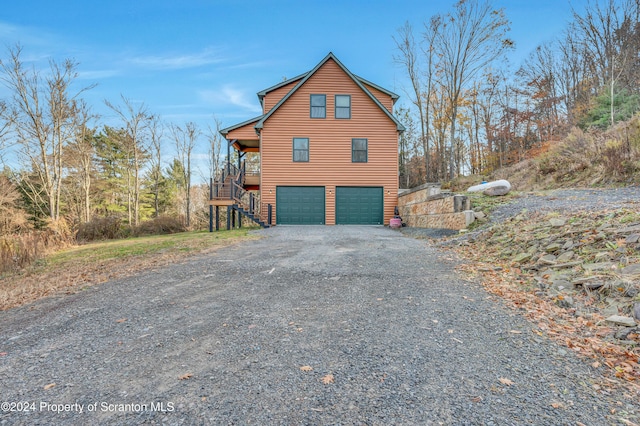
(497,191)
(493,188)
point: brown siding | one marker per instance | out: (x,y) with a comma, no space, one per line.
(247,132)
(383,98)
(330,143)
(273,97)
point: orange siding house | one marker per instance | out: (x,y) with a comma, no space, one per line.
(328,145)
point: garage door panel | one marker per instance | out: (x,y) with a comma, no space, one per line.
(300,205)
(359,205)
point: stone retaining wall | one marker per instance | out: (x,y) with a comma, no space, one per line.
(427,207)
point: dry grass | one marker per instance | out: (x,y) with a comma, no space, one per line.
(73,269)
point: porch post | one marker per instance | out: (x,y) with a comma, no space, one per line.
(210,205)
(228,158)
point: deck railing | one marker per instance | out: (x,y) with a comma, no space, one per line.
(230,186)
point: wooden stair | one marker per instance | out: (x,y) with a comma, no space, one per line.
(226,197)
(246,213)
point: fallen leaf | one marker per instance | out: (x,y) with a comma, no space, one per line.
(306,368)
(505,381)
(186,376)
(328,379)
(49,386)
(121,320)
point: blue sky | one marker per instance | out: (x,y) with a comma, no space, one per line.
(190,59)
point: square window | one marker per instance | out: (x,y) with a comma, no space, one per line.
(318,106)
(359,150)
(301,149)
(343,106)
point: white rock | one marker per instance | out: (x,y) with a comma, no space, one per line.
(479,215)
(620,320)
(502,187)
(496,191)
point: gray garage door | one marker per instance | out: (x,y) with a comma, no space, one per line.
(359,205)
(300,205)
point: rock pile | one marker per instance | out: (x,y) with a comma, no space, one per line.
(586,253)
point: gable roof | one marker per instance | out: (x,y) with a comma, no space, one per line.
(226,130)
(394,97)
(303,79)
(261,94)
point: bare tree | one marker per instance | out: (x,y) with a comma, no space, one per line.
(136,121)
(215,148)
(156,133)
(408,58)
(469,39)
(185,139)
(538,75)
(5,129)
(80,158)
(42,113)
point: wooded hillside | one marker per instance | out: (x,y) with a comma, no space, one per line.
(471,114)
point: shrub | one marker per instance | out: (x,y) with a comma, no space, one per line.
(621,149)
(575,153)
(160,225)
(12,218)
(20,250)
(614,156)
(103,228)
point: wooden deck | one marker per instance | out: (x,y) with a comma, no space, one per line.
(221,202)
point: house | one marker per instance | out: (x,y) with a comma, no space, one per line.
(328,152)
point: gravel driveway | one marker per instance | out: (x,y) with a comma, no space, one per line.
(385,329)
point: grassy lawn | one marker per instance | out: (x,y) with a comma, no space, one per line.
(184,242)
(73,269)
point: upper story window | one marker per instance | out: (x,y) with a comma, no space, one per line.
(318,106)
(343,106)
(358,150)
(301,149)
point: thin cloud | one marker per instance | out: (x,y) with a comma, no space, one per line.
(230,95)
(98,74)
(207,57)
(11,34)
